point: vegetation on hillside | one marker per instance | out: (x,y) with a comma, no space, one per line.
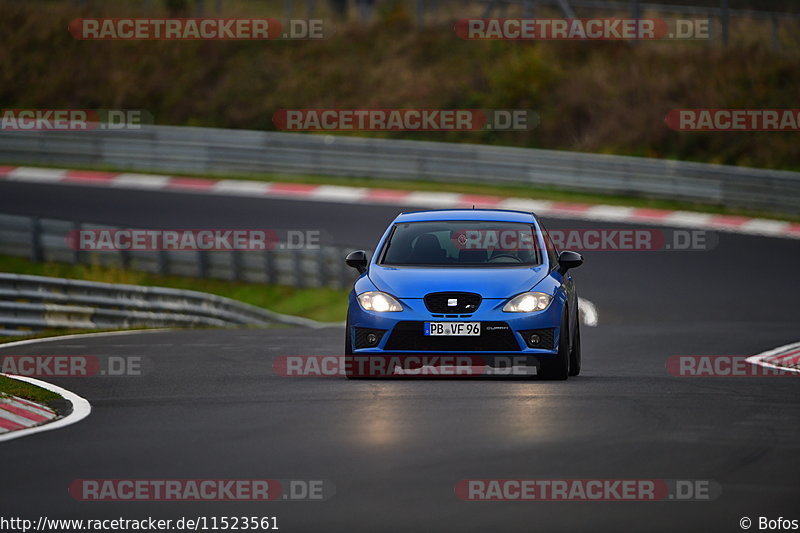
(608,97)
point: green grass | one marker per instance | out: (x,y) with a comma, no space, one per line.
(323,304)
(27,391)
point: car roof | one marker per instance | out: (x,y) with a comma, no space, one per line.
(495,215)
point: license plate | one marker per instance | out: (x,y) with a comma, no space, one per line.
(453,329)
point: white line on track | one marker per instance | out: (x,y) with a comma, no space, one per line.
(25,342)
(761,359)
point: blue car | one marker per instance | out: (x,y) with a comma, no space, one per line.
(485,283)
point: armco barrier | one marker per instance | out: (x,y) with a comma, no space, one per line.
(43,239)
(31,303)
(226,152)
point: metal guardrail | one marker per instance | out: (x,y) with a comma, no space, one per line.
(44,239)
(31,303)
(226,152)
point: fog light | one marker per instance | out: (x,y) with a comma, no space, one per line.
(372,338)
(535,339)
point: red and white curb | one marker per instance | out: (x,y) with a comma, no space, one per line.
(782,358)
(366,195)
(17,413)
(80,410)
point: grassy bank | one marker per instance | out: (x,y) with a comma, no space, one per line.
(608,97)
(323,304)
(27,391)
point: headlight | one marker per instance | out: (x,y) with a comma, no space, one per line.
(378,301)
(528,302)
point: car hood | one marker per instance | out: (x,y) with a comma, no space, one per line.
(488,282)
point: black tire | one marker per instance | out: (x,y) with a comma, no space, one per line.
(557,368)
(348,340)
(348,353)
(575,353)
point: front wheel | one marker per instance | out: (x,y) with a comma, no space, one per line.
(348,339)
(557,368)
(349,362)
(575,353)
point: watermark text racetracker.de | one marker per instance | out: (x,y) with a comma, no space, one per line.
(587,490)
(422,366)
(721,366)
(194,29)
(405,119)
(111,240)
(75,366)
(200,490)
(587,239)
(733,120)
(582,29)
(73,119)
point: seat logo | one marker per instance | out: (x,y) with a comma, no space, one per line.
(452,302)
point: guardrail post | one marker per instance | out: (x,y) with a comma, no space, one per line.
(269,267)
(711,27)
(528,9)
(365,9)
(343,268)
(237,267)
(636,14)
(322,265)
(725,21)
(124,259)
(202,263)
(297,261)
(566,9)
(37,254)
(76,255)
(162,257)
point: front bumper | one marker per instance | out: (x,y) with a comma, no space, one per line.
(502,333)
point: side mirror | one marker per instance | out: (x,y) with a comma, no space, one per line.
(569,259)
(357,260)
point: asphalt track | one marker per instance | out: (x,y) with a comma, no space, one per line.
(212,407)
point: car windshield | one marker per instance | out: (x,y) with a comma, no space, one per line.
(461,243)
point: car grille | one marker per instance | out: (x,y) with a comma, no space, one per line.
(495,336)
(361,337)
(546,338)
(467,302)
